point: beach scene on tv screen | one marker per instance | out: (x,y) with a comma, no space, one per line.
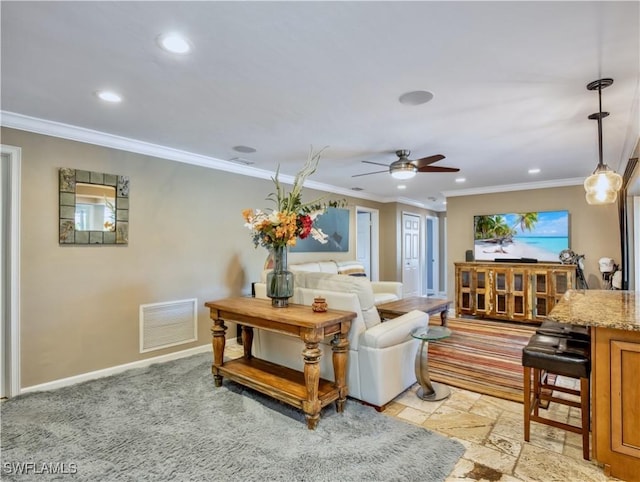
(537,235)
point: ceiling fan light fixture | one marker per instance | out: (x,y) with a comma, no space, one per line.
(403,171)
(603,185)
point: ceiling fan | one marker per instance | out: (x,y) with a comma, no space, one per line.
(405,168)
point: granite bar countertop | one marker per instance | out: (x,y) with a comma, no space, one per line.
(600,308)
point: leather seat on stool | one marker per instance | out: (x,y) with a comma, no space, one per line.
(561,356)
(564,330)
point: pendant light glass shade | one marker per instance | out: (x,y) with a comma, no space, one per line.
(602,186)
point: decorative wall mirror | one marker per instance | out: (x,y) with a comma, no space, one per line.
(94,207)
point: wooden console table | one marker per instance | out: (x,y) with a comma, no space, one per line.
(304,390)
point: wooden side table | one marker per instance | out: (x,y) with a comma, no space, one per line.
(429,391)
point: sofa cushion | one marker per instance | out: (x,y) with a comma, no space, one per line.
(343,284)
(307,267)
(315,267)
(328,267)
(353,268)
(384,298)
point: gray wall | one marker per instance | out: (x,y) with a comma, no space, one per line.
(79,304)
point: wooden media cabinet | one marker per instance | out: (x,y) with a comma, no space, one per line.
(511,291)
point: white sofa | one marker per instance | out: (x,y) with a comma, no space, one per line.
(381,355)
(383,291)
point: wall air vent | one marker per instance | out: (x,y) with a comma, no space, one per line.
(168,324)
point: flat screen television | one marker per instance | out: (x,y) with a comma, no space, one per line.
(538,235)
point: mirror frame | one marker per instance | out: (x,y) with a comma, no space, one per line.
(68,235)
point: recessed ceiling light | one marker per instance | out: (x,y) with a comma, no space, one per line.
(401,186)
(109,96)
(460,179)
(174,43)
(244,149)
(416,97)
(444,202)
(534,171)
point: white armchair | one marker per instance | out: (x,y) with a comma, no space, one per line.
(381,355)
(386,291)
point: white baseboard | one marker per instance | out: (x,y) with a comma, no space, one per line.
(83,377)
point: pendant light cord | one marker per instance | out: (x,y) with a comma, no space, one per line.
(600,163)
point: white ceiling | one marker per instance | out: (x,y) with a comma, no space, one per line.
(509,83)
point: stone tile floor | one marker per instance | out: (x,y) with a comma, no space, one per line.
(492,430)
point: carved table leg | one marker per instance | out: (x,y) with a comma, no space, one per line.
(311,406)
(443,316)
(340,348)
(247,341)
(218,331)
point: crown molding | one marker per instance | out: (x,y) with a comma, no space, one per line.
(89,136)
(81,134)
(525,186)
(418,204)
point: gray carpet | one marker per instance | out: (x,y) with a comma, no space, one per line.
(169,422)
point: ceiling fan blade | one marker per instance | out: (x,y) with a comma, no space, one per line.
(437,169)
(376,163)
(367,173)
(425,161)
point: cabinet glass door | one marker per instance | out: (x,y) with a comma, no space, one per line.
(519,294)
(481,284)
(465,278)
(501,291)
(465,281)
(561,282)
(540,290)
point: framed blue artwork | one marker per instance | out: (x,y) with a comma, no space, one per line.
(335,224)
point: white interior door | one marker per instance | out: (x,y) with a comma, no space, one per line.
(432,265)
(636,243)
(363,240)
(3,285)
(10,282)
(373,245)
(410,254)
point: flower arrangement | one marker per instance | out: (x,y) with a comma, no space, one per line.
(291,219)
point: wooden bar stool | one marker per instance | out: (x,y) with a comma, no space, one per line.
(546,355)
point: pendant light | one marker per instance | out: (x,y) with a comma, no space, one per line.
(602,186)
